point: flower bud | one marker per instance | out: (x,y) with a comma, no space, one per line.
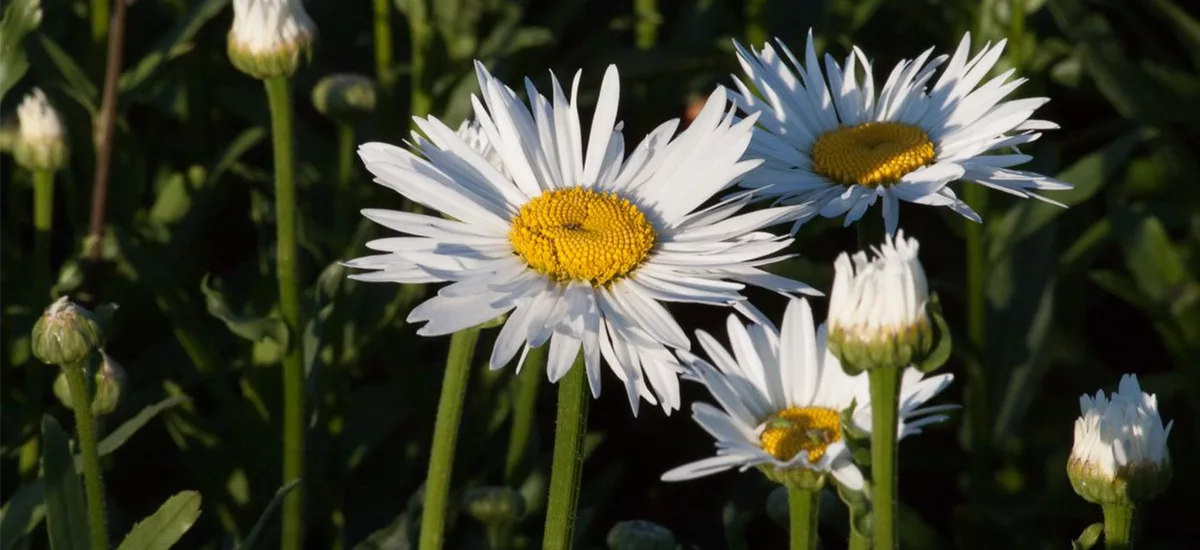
(268,37)
(493,505)
(344,96)
(40,145)
(877,310)
(1120,453)
(65,334)
(640,535)
(109,383)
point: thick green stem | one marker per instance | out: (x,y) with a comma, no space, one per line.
(756,31)
(885,398)
(803,507)
(1120,523)
(345,170)
(279,96)
(1016,31)
(977,383)
(383,43)
(81,400)
(43,223)
(528,382)
(421,102)
(100,16)
(445,437)
(569,429)
(648,19)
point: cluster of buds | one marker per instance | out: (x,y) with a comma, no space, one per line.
(1120,455)
(72,337)
(879,310)
(268,37)
(40,144)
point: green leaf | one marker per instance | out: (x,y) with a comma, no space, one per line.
(20,18)
(66,513)
(1151,257)
(119,436)
(166,526)
(1089,537)
(1185,26)
(941,336)
(173,44)
(255,329)
(77,80)
(267,513)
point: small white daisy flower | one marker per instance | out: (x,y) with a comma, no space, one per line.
(782,396)
(831,139)
(268,36)
(1120,438)
(580,242)
(40,141)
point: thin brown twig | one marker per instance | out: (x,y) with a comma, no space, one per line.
(105,122)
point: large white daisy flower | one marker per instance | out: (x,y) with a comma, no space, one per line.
(831,139)
(782,396)
(581,243)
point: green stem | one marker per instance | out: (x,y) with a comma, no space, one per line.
(803,509)
(1119,526)
(858,541)
(100,16)
(383,44)
(81,400)
(885,398)
(570,427)
(977,392)
(421,102)
(345,170)
(756,32)
(279,96)
(1016,31)
(43,222)
(528,382)
(445,437)
(648,19)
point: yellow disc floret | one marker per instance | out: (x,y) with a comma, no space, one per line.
(796,429)
(581,235)
(872,154)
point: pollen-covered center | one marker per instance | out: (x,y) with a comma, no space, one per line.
(581,235)
(871,154)
(796,429)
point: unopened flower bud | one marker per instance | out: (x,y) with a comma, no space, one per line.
(268,37)
(65,334)
(40,144)
(1120,454)
(640,535)
(877,310)
(493,505)
(343,97)
(108,384)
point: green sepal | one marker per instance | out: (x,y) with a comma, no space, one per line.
(850,430)
(1089,537)
(858,503)
(942,344)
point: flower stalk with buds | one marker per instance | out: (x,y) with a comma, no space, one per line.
(266,42)
(881,321)
(1120,458)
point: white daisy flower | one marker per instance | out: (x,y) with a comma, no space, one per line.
(832,140)
(579,241)
(782,396)
(1120,437)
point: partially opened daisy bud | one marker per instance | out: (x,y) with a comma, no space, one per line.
(65,334)
(877,310)
(344,96)
(40,143)
(782,395)
(1120,454)
(640,535)
(268,37)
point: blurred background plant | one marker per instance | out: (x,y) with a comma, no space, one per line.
(1068,300)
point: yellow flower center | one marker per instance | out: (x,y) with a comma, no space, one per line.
(796,429)
(581,235)
(872,154)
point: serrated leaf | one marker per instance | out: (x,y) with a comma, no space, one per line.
(66,513)
(166,526)
(20,18)
(266,515)
(253,329)
(171,45)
